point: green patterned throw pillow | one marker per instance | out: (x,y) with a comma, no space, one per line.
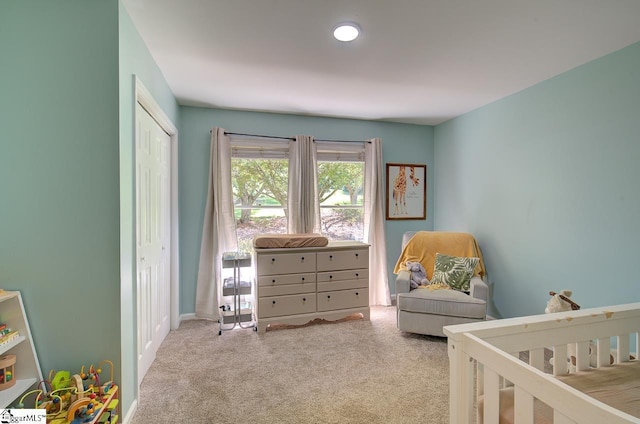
(454,271)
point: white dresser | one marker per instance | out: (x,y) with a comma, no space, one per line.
(298,285)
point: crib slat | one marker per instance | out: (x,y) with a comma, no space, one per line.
(604,350)
(523,406)
(560,366)
(582,356)
(536,358)
(491,396)
(623,349)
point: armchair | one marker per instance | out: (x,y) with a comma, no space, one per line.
(426,311)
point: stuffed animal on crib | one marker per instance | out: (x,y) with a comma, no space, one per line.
(561,302)
(418,274)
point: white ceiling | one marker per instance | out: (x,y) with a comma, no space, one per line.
(416,61)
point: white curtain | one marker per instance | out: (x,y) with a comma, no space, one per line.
(302,202)
(219,227)
(374,223)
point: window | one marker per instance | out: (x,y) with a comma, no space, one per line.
(259,179)
(340,191)
(260,182)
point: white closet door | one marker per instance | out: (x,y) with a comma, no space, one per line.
(153,237)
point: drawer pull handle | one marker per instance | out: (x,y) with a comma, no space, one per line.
(356,255)
(330,277)
(357,294)
(273,281)
(302,258)
(357,274)
(328,297)
(273,260)
(304,299)
(302,278)
(330,256)
(273,302)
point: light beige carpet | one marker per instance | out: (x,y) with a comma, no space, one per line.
(354,371)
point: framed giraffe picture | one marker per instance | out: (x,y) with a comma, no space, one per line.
(406,191)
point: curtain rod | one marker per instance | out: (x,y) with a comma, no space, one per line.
(293,138)
(343,141)
(259,135)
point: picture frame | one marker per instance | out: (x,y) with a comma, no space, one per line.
(406,191)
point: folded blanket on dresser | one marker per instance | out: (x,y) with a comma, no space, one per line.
(275,241)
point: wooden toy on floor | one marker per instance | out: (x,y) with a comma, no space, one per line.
(78,398)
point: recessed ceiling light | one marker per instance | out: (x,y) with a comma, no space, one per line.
(346,32)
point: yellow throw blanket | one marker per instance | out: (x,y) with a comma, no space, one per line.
(436,286)
(424,245)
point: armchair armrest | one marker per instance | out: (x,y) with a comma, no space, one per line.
(402,282)
(478,289)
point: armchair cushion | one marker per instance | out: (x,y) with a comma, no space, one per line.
(442,302)
(454,271)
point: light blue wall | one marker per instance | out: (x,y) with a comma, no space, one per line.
(66,177)
(59,207)
(547,180)
(401,143)
(134,59)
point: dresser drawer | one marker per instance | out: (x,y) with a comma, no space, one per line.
(343,285)
(343,299)
(342,280)
(277,285)
(352,274)
(282,289)
(343,259)
(286,305)
(277,280)
(286,263)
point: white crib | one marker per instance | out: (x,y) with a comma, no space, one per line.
(485,364)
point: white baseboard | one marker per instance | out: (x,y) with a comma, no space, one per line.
(130,413)
(187,317)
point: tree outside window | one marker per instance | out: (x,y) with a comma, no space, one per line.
(340,191)
(260,198)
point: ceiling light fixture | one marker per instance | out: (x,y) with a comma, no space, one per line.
(346,32)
